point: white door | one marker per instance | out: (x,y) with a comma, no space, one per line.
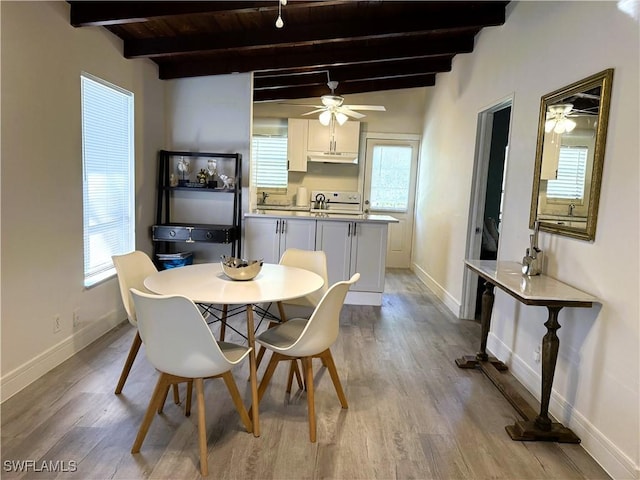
(297,233)
(389,189)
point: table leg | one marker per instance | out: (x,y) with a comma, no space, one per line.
(469,361)
(253,375)
(542,428)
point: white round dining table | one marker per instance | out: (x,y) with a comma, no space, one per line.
(206,283)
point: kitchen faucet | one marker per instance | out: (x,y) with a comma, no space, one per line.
(264,197)
(571,207)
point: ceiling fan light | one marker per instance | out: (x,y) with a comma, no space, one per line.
(325,118)
(569,124)
(341,118)
(559,128)
(549,124)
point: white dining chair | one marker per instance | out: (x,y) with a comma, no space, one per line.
(180,345)
(131,269)
(303,339)
(314,261)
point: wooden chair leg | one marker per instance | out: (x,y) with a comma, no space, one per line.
(187,407)
(293,369)
(164,398)
(223,322)
(237,400)
(202,427)
(157,399)
(176,394)
(306,362)
(133,351)
(327,358)
(271,367)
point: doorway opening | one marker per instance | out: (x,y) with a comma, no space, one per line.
(487,197)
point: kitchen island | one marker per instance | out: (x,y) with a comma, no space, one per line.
(352,243)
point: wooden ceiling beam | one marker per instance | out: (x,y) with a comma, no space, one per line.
(94,13)
(359,86)
(365,71)
(321,58)
(407,23)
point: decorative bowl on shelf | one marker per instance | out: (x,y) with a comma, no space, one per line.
(239,268)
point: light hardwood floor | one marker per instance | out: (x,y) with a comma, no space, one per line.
(412,413)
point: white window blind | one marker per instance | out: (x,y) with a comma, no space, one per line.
(390,178)
(269,159)
(572,166)
(107,176)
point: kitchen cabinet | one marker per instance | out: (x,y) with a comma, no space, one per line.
(269,237)
(347,137)
(297,144)
(354,247)
(550,157)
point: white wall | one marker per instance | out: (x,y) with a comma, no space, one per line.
(542,47)
(42,260)
(211,114)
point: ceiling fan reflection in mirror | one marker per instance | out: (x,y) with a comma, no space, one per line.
(333,107)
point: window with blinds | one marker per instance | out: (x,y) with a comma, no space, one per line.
(569,183)
(107,176)
(269,160)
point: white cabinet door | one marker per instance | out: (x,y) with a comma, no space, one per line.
(368,253)
(297,233)
(262,239)
(347,137)
(297,144)
(269,237)
(334,239)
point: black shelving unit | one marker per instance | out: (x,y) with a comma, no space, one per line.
(169,231)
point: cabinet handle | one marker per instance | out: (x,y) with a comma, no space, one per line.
(349,230)
(354,229)
(277,226)
(283,228)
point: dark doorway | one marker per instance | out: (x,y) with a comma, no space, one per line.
(494,191)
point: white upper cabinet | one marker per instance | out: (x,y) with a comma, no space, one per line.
(297,144)
(347,137)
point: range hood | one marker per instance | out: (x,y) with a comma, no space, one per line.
(333,157)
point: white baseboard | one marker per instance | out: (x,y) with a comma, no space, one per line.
(445,297)
(615,462)
(24,375)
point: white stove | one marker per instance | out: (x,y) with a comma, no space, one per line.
(331,201)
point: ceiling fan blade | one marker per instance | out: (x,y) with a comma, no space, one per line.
(377,108)
(314,111)
(349,112)
(301,105)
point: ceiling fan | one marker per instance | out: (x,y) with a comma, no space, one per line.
(333,107)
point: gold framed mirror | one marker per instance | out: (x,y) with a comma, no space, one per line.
(572,132)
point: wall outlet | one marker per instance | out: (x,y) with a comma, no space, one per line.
(76,318)
(56,323)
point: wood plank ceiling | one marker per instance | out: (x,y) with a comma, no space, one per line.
(364,45)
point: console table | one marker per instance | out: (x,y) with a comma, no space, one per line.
(537,290)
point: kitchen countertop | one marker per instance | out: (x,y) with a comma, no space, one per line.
(365,217)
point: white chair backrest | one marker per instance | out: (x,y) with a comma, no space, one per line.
(323,326)
(177,339)
(132,268)
(313,260)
